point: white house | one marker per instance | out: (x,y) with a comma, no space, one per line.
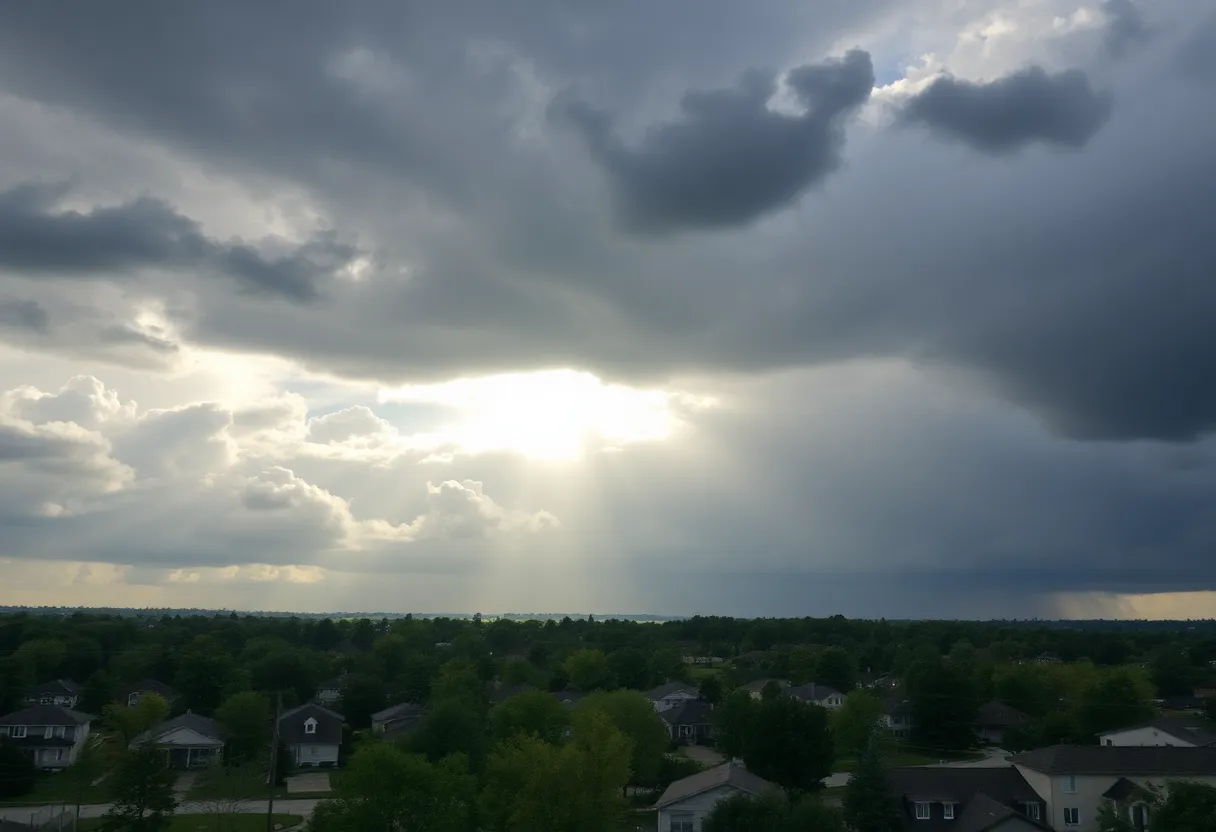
(665,697)
(756,689)
(52,735)
(821,695)
(685,803)
(1181,731)
(312,734)
(1075,781)
(189,740)
(331,690)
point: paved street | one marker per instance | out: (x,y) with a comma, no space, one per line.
(95,810)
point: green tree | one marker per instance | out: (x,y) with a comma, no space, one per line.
(835,668)
(17,772)
(533,713)
(634,716)
(130,722)
(630,667)
(710,688)
(870,805)
(944,706)
(450,727)
(1186,807)
(790,744)
(203,674)
(247,718)
(856,722)
(142,791)
(363,696)
(1171,671)
(98,692)
(742,812)
(588,669)
(665,664)
(1115,701)
(733,721)
(385,789)
(458,681)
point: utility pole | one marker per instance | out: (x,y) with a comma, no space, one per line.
(274,762)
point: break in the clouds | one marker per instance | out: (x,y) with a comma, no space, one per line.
(730,158)
(1009,113)
(363,304)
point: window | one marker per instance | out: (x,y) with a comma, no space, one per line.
(1110,742)
(1070,784)
(59,730)
(45,699)
(49,732)
(132,698)
(681,822)
(948,811)
(310,726)
(1072,817)
(18,731)
(922,811)
(1031,810)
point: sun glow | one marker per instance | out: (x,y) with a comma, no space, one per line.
(547,415)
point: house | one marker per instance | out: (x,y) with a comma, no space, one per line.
(62,692)
(1185,703)
(52,734)
(756,689)
(396,717)
(939,798)
(312,734)
(685,803)
(189,740)
(701,660)
(897,717)
(751,657)
(667,696)
(1184,731)
(691,721)
(131,694)
(1075,781)
(994,719)
(817,694)
(331,690)
(1048,658)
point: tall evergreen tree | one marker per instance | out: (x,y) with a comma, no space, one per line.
(869,803)
(143,792)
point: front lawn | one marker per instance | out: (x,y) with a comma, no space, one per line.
(903,757)
(213,823)
(52,789)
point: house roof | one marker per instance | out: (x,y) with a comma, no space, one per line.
(758,685)
(668,689)
(401,709)
(1142,760)
(984,813)
(899,707)
(999,715)
(199,724)
(1189,729)
(329,725)
(1122,790)
(55,687)
(728,774)
(46,715)
(813,692)
(149,686)
(689,712)
(959,784)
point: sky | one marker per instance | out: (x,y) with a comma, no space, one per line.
(878,308)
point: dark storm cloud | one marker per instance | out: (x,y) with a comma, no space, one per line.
(731,159)
(1005,115)
(1125,27)
(23,314)
(38,239)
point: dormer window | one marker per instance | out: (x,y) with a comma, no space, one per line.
(132,698)
(310,726)
(922,811)
(948,811)
(18,731)
(45,699)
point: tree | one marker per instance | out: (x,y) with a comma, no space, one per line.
(90,763)
(710,689)
(835,668)
(385,789)
(742,812)
(1114,701)
(772,690)
(631,668)
(533,785)
(203,674)
(870,805)
(225,792)
(1187,807)
(451,727)
(634,716)
(364,695)
(588,669)
(733,721)
(789,744)
(142,791)
(534,714)
(944,706)
(247,717)
(98,692)
(665,664)
(1172,672)
(130,722)
(17,772)
(458,681)
(856,722)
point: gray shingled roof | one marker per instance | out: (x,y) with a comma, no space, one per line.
(46,715)
(668,689)
(690,712)
(758,685)
(399,710)
(982,796)
(148,686)
(728,774)
(55,687)
(1120,759)
(813,692)
(983,813)
(329,725)
(999,715)
(199,724)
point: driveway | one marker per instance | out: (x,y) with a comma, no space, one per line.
(311,781)
(993,758)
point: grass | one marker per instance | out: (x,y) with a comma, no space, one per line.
(213,823)
(902,757)
(252,788)
(51,789)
